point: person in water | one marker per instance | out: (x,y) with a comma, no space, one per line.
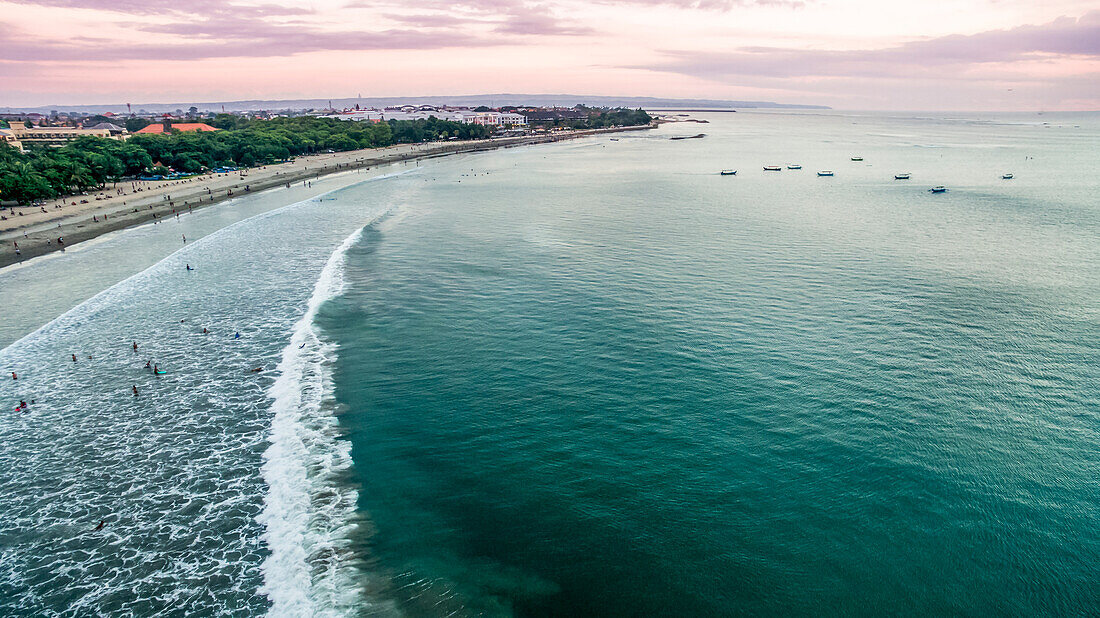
(13,376)
(148,364)
(135,346)
(135,390)
(74,358)
(189,267)
(156,369)
(236,335)
(102,522)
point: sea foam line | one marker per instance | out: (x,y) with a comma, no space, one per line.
(309,518)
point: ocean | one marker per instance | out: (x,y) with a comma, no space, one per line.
(588,378)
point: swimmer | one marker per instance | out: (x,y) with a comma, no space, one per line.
(236,335)
(135,390)
(135,346)
(102,522)
(204,331)
(74,358)
(13,376)
(148,364)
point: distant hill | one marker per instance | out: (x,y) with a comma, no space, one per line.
(473,100)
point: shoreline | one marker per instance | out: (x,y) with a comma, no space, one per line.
(161,200)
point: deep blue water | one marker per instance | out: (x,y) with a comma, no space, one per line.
(606,380)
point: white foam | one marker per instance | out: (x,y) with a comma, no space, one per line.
(308,517)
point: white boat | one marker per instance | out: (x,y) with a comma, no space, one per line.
(904,176)
(939,189)
(729,172)
(773,168)
(825,173)
(1006,176)
(794,167)
(857,158)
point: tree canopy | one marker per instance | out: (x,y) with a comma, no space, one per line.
(90,162)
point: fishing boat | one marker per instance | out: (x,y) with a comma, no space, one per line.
(857,158)
(825,173)
(1006,176)
(794,167)
(729,172)
(773,168)
(904,176)
(939,189)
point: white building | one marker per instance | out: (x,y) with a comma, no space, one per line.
(409,112)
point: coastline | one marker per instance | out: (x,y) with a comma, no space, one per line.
(164,199)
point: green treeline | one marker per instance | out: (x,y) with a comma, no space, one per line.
(602,118)
(91,162)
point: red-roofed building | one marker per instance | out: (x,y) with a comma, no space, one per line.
(167,126)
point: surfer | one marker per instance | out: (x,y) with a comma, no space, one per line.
(102,522)
(236,335)
(156,370)
(189,267)
(148,364)
(301,346)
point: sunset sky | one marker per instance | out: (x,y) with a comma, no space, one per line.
(849,54)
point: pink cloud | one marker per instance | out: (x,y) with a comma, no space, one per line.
(1064,37)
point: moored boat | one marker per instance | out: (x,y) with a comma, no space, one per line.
(825,173)
(939,189)
(728,172)
(1006,176)
(794,167)
(904,176)
(857,158)
(772,168)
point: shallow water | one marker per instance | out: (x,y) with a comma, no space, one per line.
(594,377)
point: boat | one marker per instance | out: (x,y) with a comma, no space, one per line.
(729,172)
(825,173)
(939,189)
(794,167)
(857,158)
(904,176)
(773,168)
(1006,176)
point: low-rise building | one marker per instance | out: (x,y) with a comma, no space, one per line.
(51,136)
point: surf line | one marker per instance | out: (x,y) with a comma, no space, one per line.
(311,569)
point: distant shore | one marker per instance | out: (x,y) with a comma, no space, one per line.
(36,232)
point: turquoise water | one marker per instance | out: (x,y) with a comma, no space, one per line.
(596,378)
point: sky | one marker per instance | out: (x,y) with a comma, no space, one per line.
(983,55)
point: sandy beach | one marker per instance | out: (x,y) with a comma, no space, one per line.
(29,231)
